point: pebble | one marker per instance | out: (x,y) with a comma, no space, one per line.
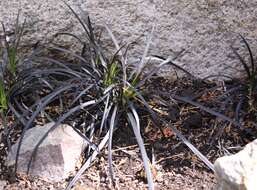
(2,184)
(166,182)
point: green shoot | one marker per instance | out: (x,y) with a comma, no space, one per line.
(111,74)
(12,57)
(9,54)
(12,45)
(3,99)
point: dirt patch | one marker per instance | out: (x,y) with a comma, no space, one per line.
(174,166)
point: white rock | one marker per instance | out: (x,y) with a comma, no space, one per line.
(56,157)
(2,184)
(238,171)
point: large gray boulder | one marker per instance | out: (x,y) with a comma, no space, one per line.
(205,29)
(56,157)
(238,171)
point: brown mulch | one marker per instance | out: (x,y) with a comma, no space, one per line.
(129,175)
(175,166)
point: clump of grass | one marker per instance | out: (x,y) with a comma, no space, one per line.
(241,94)
(97,90)
(9,61)
(250,85)
(3,99)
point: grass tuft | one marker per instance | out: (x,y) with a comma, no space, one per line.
(250,85)
(91,91)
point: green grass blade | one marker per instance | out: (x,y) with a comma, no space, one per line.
(116,44)
(3,98)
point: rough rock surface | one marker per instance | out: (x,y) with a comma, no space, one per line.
(56,157)
(204,28)
(239,171)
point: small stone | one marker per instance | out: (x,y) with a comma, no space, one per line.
(238,171)
(193,121)
(82,187)
(2,184)
(173,113)
(57,155)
